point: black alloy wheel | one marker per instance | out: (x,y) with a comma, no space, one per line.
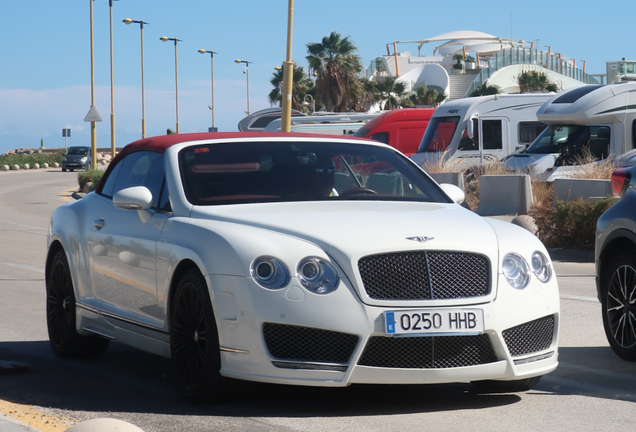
(619,306)
(60,315)
(194,342)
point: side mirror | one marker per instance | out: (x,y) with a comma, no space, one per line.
(470,129)
(455,193)
(135,198)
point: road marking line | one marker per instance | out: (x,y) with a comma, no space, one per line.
(34,417)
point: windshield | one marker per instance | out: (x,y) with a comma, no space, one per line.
(439,134)
(573,140)
(77,151)
(231,173)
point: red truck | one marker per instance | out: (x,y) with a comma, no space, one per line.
(399,128)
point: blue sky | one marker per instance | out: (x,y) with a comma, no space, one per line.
(45,54)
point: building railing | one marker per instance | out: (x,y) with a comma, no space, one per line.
(530,57)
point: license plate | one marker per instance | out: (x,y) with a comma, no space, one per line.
(434,321)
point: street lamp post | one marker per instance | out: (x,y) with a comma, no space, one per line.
(176,75)
(202,51)
(288,73)
(143,103)
(112,85)
(93,116)
(247,72)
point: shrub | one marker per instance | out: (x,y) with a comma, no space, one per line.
(31,159)
(569,223)
(93,176)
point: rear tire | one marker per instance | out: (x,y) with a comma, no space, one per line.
(492,386)
(60,315)
(63,169)
(618,286)
(194,341)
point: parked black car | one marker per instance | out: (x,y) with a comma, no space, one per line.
(615,256)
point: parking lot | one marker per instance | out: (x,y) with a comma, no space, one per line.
(592,389)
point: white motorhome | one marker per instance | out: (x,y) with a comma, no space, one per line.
(479,129)
(593,120)
(326,124)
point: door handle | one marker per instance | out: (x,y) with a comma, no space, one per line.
(99,224)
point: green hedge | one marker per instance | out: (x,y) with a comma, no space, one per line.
(93,176)
(31,159)
(570,224)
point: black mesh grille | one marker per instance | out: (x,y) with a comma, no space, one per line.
(425,275)
(296,343)
(428,352)
(530,337)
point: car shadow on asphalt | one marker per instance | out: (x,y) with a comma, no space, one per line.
(128,380)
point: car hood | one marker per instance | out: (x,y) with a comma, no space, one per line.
(535,163)
(349,230)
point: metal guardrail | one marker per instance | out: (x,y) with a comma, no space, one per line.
(530,57)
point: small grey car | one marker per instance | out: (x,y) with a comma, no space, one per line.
(76,158)
(615,257)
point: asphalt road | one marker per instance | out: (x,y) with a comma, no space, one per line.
(591,390)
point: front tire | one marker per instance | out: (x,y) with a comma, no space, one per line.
(194,341)
(618,302)
(492,386)
(60,315)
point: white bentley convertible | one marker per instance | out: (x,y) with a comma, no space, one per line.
(297,259)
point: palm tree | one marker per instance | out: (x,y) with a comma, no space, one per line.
(301,86)
(336,65)
(390,92)
(485,89)
(530,81)
(425,96)
(363,94)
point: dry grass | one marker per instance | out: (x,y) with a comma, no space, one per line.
(591,168)
(442,164)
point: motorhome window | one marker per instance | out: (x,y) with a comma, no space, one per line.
(467,142)
(552,138)
(493,135)
(576,94)
(439,134)
(529,131)
(383,137)
(573,142)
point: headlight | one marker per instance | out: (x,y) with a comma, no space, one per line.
(317,275)
(541,267)
(270,273)
(64,159)
(516,271)
(84,160)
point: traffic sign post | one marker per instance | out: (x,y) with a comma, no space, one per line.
(66,132)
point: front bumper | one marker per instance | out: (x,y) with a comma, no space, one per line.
(520,339)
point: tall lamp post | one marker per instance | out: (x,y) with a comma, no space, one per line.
(176,76)
(128,21)
(288,73)
(246,71)
(112,85)
(93,116)
(202,51)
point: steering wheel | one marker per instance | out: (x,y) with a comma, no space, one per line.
(358,191)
